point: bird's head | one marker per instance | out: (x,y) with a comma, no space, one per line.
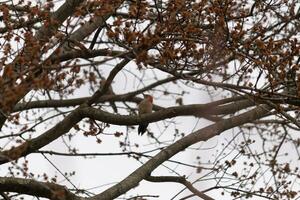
(148,97)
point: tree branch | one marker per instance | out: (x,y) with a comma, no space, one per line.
(108,82)
(181,180)
(36,188)
(96,22)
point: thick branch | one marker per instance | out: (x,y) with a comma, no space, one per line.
(98,21)
(198,110)
(59,17)
(36,188)
(89,54)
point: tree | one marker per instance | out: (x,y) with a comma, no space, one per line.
(237,60)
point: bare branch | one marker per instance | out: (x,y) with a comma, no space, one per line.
(181,180)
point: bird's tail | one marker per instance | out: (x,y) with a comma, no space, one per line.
(114,107)
(142,128)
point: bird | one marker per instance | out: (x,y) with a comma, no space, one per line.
(109,92)
(145,107)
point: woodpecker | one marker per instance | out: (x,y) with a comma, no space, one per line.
(109,92)
(145,107)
